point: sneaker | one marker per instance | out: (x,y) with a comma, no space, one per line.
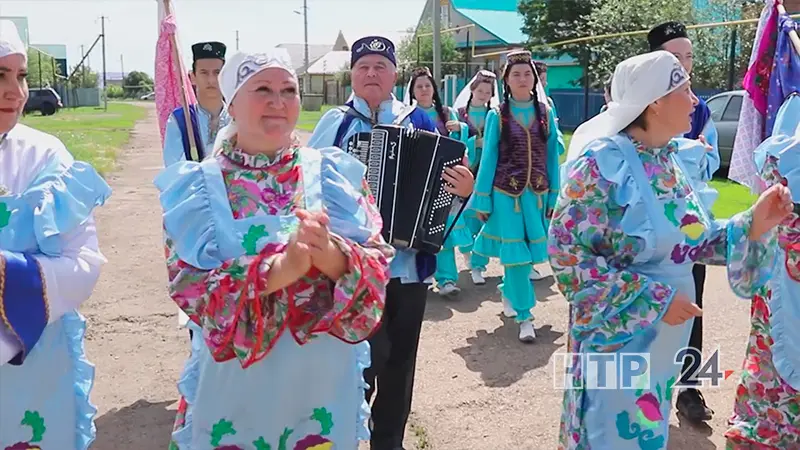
(508,311)
(448,289)
(477,277)
(526,332)
(536,275)
(692,406)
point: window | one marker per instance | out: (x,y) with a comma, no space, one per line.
(733,109)
(717,107)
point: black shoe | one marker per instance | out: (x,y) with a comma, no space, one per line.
(692,406)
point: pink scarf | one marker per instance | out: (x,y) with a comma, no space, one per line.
(167,81)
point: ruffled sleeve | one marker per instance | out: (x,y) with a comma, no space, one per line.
(356,230)
(484,181)
(39,286)
(63,198)
(589,252)
(700,163)
(217,284)
(197,215)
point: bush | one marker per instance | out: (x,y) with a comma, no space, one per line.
(114,91)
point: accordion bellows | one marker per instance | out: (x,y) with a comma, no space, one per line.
(404,173)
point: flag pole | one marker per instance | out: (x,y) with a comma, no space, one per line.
(792,33)
(183,96)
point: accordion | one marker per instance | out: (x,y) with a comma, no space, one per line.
(404,173)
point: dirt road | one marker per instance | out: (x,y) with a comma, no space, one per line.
(477,387)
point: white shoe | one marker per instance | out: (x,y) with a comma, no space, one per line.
(477,277)
(508,311)
(536,275)
(448,289)
(526,332)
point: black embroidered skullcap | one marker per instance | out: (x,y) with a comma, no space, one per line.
(664,33)
(208,50)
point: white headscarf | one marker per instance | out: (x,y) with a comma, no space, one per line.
(10,42)
(638,82)
(484,75)
(239,68)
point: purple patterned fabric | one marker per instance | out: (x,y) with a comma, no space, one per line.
(785,77)
(519,165)
(463,116)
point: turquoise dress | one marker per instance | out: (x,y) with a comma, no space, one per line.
(446,270)
(630,224)
(516,228)
(49,264)
(477,120)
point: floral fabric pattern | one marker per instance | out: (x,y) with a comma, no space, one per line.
(766,412)
(611,304)
(238,320)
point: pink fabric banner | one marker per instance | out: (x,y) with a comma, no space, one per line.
(750,130)
(167,79)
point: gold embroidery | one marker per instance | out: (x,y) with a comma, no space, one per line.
(513,182)
(3,316)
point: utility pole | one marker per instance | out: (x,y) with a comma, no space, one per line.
(122,68)
(305,29)
(437,41)
(83,72)
(237,40)
(105,78)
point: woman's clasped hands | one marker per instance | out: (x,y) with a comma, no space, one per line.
(311,245)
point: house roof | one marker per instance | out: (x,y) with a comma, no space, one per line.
(500,18)
(297,53)
(331,63)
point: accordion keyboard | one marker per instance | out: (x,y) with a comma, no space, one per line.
(365,150)
(443,200)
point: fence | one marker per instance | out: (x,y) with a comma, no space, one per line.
(73,98)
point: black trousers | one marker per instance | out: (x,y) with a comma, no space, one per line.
(696,338)
(394,359)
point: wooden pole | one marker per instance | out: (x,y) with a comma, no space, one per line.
(793,33)
(183,96)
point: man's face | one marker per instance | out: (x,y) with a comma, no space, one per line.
(373,77)
(205,77)
(682,49)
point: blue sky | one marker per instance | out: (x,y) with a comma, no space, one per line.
(131,27)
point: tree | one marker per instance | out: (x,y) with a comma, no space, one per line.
(713,45)
(411,54)
(619,16)
(137,83)
(84,78)
(547,21)
(37,61)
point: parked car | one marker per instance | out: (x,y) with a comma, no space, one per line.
(148,96)
(725,109)
(45,100)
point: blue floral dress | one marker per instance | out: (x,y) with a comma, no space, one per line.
(628,226)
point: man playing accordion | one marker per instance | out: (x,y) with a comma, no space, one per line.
(394,345)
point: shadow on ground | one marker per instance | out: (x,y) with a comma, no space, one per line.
(502,359)
(471,298)
(688,436)
(142,425)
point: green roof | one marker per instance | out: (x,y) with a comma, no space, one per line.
(486,5)
(506,25)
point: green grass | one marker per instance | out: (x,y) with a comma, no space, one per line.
(91,134)
(733,198)
(308,119)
